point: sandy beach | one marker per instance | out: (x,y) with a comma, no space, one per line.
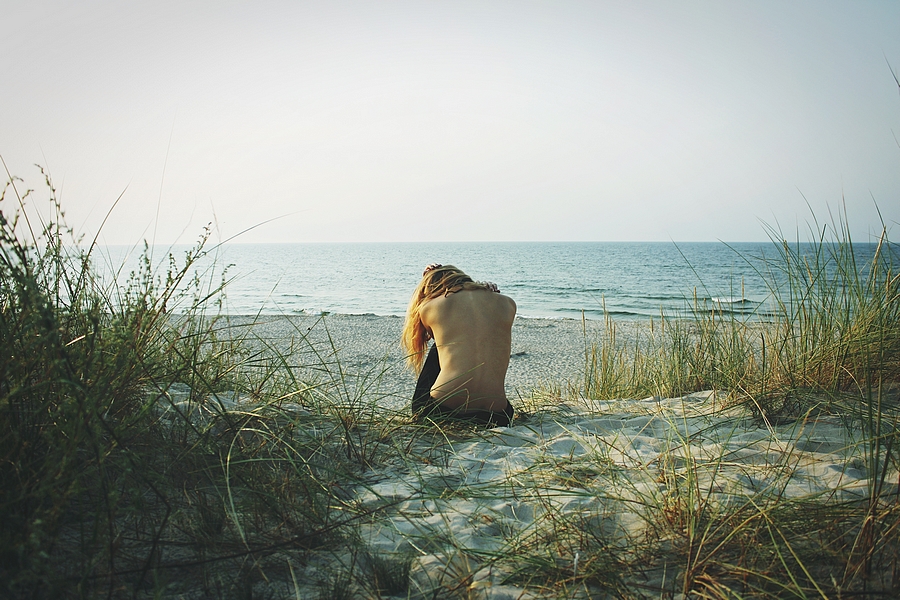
(482,513)
(576,500)
(573,501)
(545,352)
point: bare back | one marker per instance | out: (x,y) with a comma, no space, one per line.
(473,333)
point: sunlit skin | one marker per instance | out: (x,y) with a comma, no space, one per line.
(472,330)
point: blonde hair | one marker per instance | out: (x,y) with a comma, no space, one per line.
(437,281)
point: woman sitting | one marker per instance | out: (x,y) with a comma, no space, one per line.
(465,371)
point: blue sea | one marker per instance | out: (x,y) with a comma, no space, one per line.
(566,280)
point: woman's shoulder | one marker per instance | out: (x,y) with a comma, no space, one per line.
(466,297)
(510,304)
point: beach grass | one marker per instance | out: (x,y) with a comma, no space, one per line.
(129,464)
(829,329)
(150,449)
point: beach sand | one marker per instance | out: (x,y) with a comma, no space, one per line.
(570,489)
(571,501)
(574,486)
(545,352)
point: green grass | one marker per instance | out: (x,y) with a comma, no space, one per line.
(150,449)
(123,471)
(833,328)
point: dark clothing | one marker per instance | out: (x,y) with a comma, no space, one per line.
(426,407)
(430,371)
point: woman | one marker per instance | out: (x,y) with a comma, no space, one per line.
(464,374)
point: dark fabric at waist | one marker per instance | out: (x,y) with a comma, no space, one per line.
(438,412)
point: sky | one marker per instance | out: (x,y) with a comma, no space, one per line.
(454,121)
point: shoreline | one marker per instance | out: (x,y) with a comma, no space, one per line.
(619,316)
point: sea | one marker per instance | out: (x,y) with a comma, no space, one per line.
(548,280)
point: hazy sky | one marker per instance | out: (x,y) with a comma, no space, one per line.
(485,120)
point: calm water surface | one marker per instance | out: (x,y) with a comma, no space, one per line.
(548,280)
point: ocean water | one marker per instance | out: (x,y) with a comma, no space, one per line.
(547,280)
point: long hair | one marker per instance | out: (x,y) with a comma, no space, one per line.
(442,280)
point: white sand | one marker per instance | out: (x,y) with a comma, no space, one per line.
(464,503)
(610,470)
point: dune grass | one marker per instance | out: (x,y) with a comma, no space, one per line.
(149,449)
(128,467)
(830,326)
